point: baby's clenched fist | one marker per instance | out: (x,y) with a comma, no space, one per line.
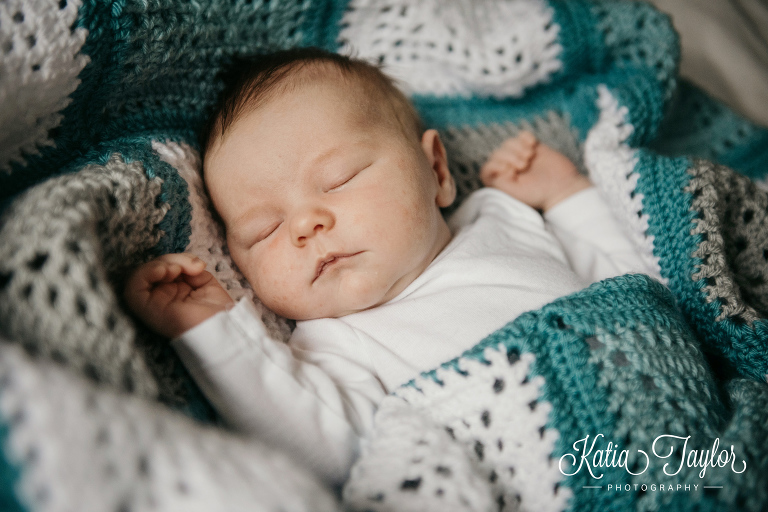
(174,293)
(532,172)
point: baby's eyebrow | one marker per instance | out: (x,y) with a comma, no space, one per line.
(327,155)
(249,213)
(357,142)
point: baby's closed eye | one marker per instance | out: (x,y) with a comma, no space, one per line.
(267,232)
(346,177)
(249,236)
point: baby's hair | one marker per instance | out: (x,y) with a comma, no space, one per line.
(250,81)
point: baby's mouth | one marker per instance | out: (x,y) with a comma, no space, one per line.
(330,260)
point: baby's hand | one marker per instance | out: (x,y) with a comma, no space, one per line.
(532,172)
(173,293)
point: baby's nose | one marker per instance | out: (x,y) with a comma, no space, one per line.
(307,224)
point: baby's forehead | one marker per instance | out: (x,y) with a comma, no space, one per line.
(357,103)
(357,91)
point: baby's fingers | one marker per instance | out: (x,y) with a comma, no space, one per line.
(164,269)
(201,279)
(169,267)
(183,262)
(522,142)
(154,272)
(515,160)
(495,169)
(522,147)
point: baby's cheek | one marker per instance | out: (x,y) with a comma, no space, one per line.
(276,296)
(363,289)
(271,281)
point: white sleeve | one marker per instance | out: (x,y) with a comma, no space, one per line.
(592,239)
(264,388)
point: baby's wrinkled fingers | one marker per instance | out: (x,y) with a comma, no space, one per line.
(145,275)
(527,138)
(178,257)
(190,263)
(198,280)
(159,270)
(155,271)
(524,143)
(140,282)
(489,177)
(490,171)
(514,158)
(171,272)
(523,138)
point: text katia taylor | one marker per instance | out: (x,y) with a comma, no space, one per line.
(586,456)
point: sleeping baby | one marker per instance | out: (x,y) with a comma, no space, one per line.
(331,193)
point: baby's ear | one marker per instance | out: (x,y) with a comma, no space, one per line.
(435,151)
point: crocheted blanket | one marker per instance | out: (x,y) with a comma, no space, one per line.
(99,171)
(602,400)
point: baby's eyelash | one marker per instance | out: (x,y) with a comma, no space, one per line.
(343,182)
(354,174)
(268,233)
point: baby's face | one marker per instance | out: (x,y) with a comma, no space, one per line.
(327,213)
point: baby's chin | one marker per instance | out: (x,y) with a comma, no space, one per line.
(341,295)
(339,305)
(326,310)
(302,315)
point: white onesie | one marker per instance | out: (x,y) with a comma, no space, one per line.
(315,396)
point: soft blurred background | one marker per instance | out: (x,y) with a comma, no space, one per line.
(725,50)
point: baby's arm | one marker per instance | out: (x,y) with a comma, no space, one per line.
(315,406)
(174,293)
(595,244)
(315,410)
(593,241)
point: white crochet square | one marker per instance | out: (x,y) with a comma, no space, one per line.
(87,449)
(500,458)
(483,47)
(40,61)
